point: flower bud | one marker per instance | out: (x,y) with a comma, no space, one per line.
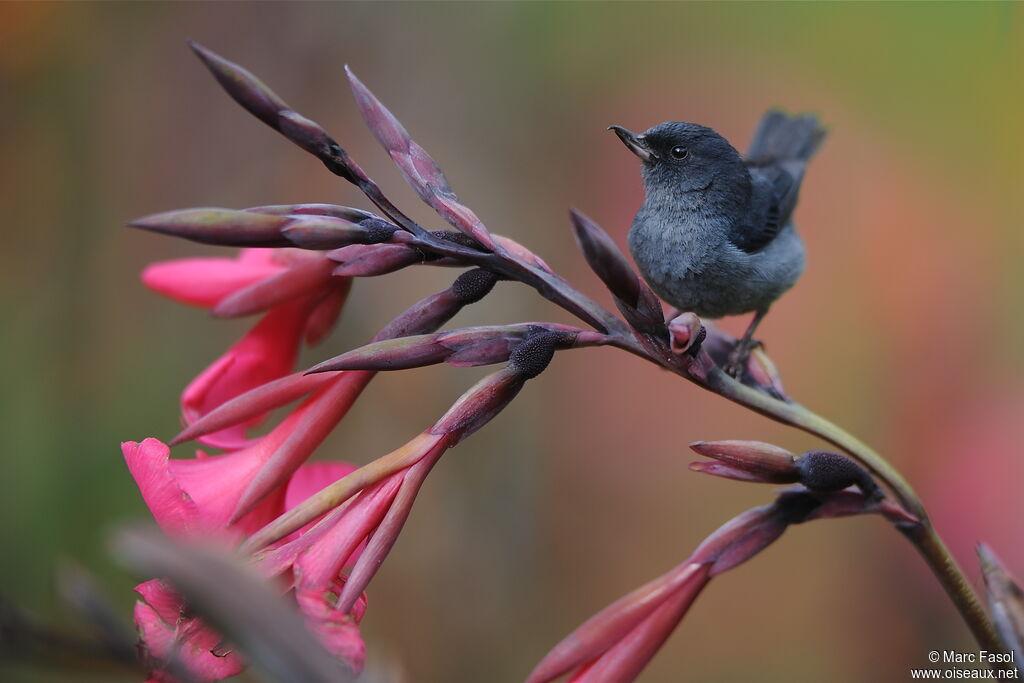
(747,461)
(225,227)
(685,332)
(418,168)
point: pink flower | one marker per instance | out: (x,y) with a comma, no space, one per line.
(166,630)
(303,301)
(203,282)
(187,498)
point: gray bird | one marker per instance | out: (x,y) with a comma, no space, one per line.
(715,234)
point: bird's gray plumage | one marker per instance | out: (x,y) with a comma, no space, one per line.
(715,234)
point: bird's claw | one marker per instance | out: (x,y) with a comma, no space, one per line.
(737,360)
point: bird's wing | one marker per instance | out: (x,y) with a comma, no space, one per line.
(775,188)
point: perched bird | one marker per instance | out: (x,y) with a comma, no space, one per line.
(715,234)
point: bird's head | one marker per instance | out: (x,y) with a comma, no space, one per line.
(683,156)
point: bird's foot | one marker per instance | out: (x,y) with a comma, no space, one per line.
(738,357)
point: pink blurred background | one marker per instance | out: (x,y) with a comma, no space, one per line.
(905,329)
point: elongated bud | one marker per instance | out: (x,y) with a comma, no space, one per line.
(224,227)
(748,534)
(480,404)
(305,277)
(435,310)
(605,259)
(747,461)
(258,401)
(305,133)
(633,297)
(264,104)
(466,347)
(418,168)
(347,213)
(367,260)
(615,625)
(244,87)
(1006,602)
(330,233)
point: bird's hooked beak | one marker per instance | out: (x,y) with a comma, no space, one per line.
(637,144)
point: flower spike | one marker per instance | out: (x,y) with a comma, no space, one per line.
(418,168)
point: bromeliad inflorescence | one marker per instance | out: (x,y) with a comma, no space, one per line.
(320,531)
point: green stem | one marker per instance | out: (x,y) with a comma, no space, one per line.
(922,535)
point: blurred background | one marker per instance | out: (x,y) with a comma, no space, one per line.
(906,328)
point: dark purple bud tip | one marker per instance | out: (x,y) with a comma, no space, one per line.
(377,230)
(532,355)
(473,285)
(823,471)
(244,88)
(605,259)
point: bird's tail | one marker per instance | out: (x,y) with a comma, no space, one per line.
(781,137)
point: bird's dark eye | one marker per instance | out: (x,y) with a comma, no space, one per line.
(679,152)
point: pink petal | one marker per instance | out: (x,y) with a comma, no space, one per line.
(205,281)
(336,630)
(197,496)
(599,633)
(629,656)
(253,403)
(323,318)
(318,415)
(172,508)
(164,629)
(339,545)
(312,477)
(266,353)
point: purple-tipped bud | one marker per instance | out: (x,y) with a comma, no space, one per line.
(306,133)
(264,104)
(747,461)
(1006,602)
(418,168)
(633,297)
(344,212)
(748,534)
(305,277)
(367,260)
(258,401)
(225,227)
(244,88)
(621,638)
(466,347)
(326,232)
(685,331)
(384,536)
(605,259)
(434,311)
(479,404)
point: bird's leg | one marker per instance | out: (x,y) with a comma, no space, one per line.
(738,356)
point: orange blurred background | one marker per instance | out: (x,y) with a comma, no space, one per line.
(905,329)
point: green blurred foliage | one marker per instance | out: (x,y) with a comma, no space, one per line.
(906,328)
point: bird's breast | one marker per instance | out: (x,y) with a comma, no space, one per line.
(690,263)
